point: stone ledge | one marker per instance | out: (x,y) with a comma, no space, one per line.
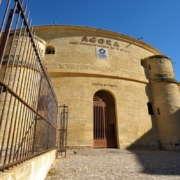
(36,168)
(171,80)
(80,147)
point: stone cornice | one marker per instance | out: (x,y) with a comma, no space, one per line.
(96,32)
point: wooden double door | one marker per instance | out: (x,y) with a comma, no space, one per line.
(104,123)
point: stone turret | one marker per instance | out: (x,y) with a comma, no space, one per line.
(166,100)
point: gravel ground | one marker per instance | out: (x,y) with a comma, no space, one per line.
(109,164)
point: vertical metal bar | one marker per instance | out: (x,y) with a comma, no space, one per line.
(21,67)
(32,78)
(62,133)
(38,107)
(104,126)
(63,130)
(20,124)
(2,50)
(56,116)
(47,110)
(93,121)
(102,121)
(20,82)
(24,80)
(12,117)
(20,30)
(99,120)
(34,75)
(98,128)
(4,18)
(6,34)
(46,115)
(25,129)
(66,129)
(15,134)
(29,96)
(30,122)
(27,70)
(21,44)
(102,108)
(19,128)
(20,49)
(96,120)
(95,114)
(29,133)
(21,138)
(98,123)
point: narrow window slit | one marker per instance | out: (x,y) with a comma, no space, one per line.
(158,111)
(150,109)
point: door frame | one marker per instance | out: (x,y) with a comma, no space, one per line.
(99,100)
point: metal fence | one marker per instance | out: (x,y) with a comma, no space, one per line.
(62,131)
(28,105)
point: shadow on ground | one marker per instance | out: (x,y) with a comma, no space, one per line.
(156,161)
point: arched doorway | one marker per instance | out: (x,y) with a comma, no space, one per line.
(104,120)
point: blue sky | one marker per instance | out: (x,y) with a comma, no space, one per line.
(157,21)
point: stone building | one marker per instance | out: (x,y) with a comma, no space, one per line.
(121,92)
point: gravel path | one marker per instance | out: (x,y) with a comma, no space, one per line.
(109,164)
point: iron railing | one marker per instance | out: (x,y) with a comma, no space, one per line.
(62,131)
(28,105)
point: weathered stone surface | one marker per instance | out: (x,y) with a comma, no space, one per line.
(166,100)
(33,169)
(77,74)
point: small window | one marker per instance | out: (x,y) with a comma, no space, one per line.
(158,111)
(50,50)
(149,67)
(150,109)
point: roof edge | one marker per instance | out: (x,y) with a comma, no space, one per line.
(105,33)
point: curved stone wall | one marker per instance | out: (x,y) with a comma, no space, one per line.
(78,72)
(166,100)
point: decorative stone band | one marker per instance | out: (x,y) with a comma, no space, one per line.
(164,78)
(172,80)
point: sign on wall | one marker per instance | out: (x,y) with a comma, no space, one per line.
(101,52)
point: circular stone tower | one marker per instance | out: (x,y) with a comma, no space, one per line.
(166,100)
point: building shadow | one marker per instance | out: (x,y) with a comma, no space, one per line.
(151,157)
(156,161)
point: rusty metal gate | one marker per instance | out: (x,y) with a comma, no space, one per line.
(62,131)
(99,122)
(104,129)
(28,105)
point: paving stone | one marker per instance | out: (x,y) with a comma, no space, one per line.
(116,164)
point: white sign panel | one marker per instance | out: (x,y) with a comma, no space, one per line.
(101,52)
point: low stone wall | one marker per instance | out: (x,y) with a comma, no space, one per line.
(34,169)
